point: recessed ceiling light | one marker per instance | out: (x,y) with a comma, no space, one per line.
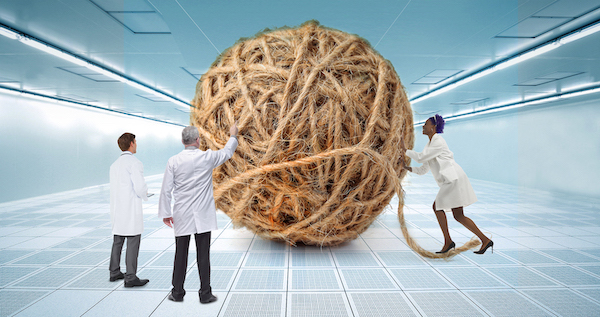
(533,27)
(142,22)
(152,98)
(468,101)
(428,80)
(516,59)
(444,73)
(68,56)
(519,104)
(535,82)
(560,75)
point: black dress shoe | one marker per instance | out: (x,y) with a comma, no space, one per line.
(208,299)
(172,298)
(136,282)
(117,277)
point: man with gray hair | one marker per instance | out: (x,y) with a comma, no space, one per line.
(188,179)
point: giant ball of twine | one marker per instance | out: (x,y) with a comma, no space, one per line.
(321,118)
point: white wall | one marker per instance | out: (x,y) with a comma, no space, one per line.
(552,147)
(48,148)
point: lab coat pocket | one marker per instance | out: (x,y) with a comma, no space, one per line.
(448,171)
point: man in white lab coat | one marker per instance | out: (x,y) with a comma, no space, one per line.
(188,179)
(127,189)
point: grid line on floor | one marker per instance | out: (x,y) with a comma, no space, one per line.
(60,244)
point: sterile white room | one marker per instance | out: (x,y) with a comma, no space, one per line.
(517,83)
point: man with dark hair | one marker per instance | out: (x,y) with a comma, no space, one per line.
(127,189)
(125,140)
(188,179)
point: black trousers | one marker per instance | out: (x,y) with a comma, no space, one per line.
(182,245)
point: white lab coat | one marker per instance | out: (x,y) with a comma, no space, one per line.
(127,189)
(455,188)
(188,179)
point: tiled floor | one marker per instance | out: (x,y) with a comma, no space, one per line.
(546,262)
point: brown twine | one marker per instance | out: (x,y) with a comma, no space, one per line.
(321,118)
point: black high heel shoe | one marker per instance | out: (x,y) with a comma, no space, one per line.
(488,245)
(451,246)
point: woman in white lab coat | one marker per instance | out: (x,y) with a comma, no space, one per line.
(455,189)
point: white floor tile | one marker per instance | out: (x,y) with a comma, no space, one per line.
(534,242)
(38,243)
(573,242)
(77,301)
(231,245)
(68,232)
(231,233)
(386,244)
(162,233)
(354,245)
(191,306)
(7,231)
(377,233)
(10,242)
(37,232)
(128,303)
(534,268)
(156,244)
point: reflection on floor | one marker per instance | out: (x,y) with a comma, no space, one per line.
(546,262)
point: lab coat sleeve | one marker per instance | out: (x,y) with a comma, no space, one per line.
(433,150)
(164,202)
(137,178)
(421,170)
(219,157)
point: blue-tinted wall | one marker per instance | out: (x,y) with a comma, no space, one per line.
(48,148)
(553,147)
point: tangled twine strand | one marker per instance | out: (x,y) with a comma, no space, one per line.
(321,116)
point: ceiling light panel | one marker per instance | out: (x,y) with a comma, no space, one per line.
(87,73)
(535,82)
(194,72)
(548,78)
(532,27)
(567,8)
(181,110)
(469,101)
(518,104)
(437,76)
(428,80)
(443,73)
(586,31)
(76,98)
(9,33)
(142,22)
(138,16)
(6,80)
(123,5)
(152,98)
(560,75)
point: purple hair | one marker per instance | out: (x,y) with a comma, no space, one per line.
(439,123)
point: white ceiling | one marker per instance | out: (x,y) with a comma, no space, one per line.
(167,44)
